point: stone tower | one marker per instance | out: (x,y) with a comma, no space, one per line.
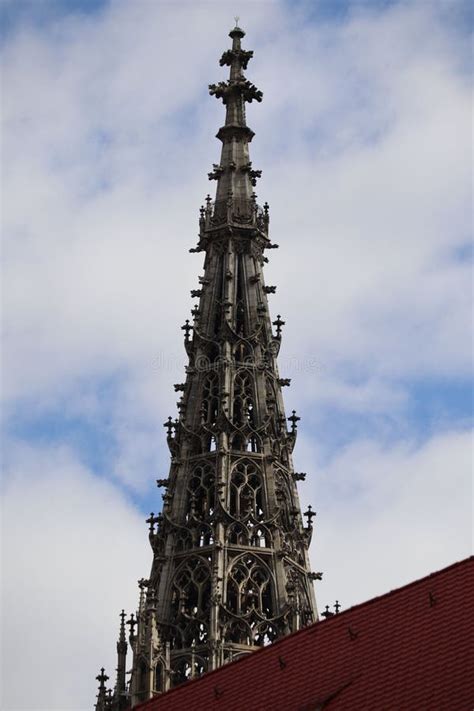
(230,571)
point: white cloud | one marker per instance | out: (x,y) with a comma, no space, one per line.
(74,547)
(73,550)
(388,515)
(362,136)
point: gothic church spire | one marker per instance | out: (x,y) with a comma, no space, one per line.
(230,569)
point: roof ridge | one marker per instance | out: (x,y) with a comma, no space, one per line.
(413,583)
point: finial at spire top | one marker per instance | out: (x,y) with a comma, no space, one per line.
(237,31)
(122,626)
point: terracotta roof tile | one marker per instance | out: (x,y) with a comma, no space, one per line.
(410,649)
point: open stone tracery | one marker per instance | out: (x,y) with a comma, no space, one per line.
(230,571)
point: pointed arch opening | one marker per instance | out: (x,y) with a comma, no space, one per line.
(210,399)
(238,632)
(238,535)
(240,310)
(249,587)
(191,588)
(246,490)
(243,399)
(264,634)
(186,668)
(183,541)
(243,352)
(195,634)
(201,491)
(260,537)
(142,681)
(158,681)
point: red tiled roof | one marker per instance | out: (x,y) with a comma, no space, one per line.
(411,649)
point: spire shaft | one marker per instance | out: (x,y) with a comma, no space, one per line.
(234,179)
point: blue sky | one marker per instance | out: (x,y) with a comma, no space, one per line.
(363,137)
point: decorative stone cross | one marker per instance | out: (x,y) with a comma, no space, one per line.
(278,323)
(102,678)
(310,514)
(294,419)
(132,622)
(186,328)
(169,424)
(151,521)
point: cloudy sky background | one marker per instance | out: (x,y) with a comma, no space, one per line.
(108,133)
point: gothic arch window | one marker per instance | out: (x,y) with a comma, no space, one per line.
(246,490)
(239,442)
(219,297)
(208,443)
(175,637)
(243,352)
(183,541)
(201,490)
(204,536)
(254,443)
(264,634)
(210,399)
(243,399)
(182,669)
(191,588)
(158,677)
(249,587)
(238,535)
(270,392)
(238,632)
(195,634)
(260,537)
(240,320)
(142,676)
(285,496)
